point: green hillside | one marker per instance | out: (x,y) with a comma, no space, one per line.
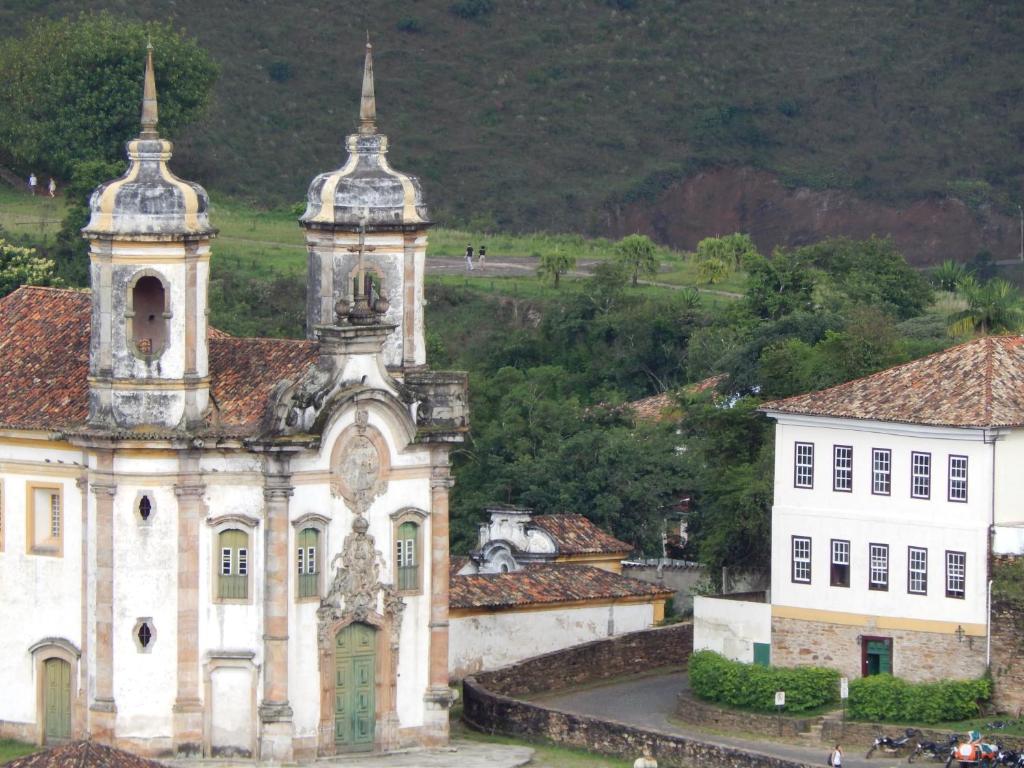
(523,114)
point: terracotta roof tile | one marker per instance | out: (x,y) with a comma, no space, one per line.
(977,384)
(576,535)
(83,754)
(665,406)
(552,583)
(44,363)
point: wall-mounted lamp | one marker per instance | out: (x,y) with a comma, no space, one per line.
(959,633)
(859,639)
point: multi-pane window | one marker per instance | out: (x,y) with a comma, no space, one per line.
(233,579)
(917,570)
(878,566)
(958,478)
(406,557)
(46,521)
(842,468)
(839,573)
(802,559)
(308,562)
(881,471)
(803,471)
(956,574)
(920,475)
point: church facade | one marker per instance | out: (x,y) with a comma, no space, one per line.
(223,546)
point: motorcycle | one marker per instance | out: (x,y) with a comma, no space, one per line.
(933,750)
(891,746)
(974,752)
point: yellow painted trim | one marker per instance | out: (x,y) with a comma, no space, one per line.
(42,441)
(52,469)
(601,560)
(109,197)
(128,385)
(331,186)
(659,611)
(155,259)
(408,192)
(145,453)
(534,607)
(189,196)
(876,622)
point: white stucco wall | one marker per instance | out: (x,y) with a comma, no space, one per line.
(730,627)
(41,594)
(897,520)
(493,640)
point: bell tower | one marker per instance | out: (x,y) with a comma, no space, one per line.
(366,235)
(149,251)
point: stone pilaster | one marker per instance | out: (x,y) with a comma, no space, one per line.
(275,711)
(102,709)
(438,697)
(188,705)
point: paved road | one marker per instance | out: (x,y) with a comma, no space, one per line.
(647,701)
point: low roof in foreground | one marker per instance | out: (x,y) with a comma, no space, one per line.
(977,384)
(547,583)
(83,754)
(576,535)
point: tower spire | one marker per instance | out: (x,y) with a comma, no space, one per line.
(149,108)
(368,105)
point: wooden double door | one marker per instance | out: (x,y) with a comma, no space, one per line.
(355,661)
(56,701)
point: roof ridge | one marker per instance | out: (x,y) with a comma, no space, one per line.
(230,337)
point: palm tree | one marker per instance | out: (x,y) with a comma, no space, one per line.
(554,264)
(948,275)
(992,307)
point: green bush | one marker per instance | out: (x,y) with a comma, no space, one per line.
(882,698)
(472,9)
(748,686)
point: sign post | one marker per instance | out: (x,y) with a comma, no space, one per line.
(844,694)
(780,702)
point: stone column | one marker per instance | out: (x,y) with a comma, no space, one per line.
(438,697)
(103,710)
(275,711)
(188,705)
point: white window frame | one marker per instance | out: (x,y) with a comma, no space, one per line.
(920,475)
(840,555)
(842,468)
(800,548)
(878,565)
(957,491)
(803,471)
(956,574)
(917,577)
(881,471)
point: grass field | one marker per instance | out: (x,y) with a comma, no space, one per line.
(10,749)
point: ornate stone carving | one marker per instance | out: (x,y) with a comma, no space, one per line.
(360,469)
(356,591)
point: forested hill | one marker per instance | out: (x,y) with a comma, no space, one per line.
(526,114)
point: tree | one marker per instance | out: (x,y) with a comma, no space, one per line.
(554,264)
(780,285)
(639,255)
(992,307)
(23,266)
(712,270)
(72,88)
(947,276)
(731,250)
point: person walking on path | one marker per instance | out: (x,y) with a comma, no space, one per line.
(32,182)
(483,255)
(469,258)
(836,758)
(52,187)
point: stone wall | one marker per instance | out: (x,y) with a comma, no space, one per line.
(597,660)
(1007,658)
(494,713)
(690,709)
(917,656)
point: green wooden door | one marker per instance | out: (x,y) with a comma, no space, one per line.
(354,681)
(57,700)
(879,657)
(762,654)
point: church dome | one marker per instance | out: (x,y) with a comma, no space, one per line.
(366,189)
(149,200)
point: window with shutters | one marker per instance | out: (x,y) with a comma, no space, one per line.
(45,526)
(307,560)
(233,576)
(407,558)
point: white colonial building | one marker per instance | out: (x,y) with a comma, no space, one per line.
(223,546)
(891,491)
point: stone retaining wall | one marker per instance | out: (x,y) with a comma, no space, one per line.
(597,660)
(862,734)
(1007,658)
(690,709)
(488,711)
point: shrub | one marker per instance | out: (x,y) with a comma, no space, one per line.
(882,698)
(748,686)
(472,9)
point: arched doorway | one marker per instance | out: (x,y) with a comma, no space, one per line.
(56,701)
(355,662)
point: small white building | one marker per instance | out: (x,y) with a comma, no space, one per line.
(890,493)
(538,583)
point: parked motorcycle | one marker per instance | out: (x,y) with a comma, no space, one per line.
(891,746)
(1008,757)
(933,750)
(974,752)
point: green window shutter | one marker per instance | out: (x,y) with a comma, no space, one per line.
(406,550)
(233,574)
(762,654)
(308,561)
